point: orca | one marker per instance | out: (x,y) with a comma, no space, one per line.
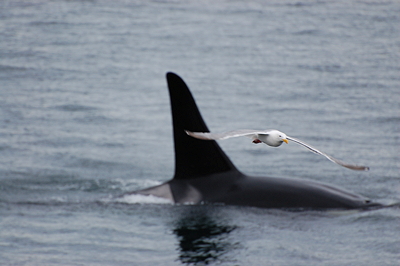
(205,175)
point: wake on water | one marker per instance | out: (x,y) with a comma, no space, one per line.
(141,199)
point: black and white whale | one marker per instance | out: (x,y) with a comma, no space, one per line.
(204,174)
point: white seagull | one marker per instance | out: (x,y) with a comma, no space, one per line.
(271,137)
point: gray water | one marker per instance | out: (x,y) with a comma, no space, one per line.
(85,118)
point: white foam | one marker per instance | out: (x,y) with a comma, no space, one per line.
(149,183)
(142,199)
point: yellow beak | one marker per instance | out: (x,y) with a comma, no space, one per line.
(286,141)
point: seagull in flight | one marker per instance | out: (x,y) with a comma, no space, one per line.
(271,137)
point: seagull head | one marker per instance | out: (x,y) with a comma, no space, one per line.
(275,138)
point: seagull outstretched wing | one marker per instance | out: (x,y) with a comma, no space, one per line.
(226,135)
(255,133)
(330,158)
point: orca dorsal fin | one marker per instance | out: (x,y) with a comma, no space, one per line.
(193,157)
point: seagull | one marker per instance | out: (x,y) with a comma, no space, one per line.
(271,137)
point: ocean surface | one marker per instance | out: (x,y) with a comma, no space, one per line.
(85,118)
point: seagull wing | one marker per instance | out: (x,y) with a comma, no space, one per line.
(330,158)
(226,135)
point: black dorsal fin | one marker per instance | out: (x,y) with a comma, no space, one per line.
(193,157)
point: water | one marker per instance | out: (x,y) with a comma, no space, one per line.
(85,118)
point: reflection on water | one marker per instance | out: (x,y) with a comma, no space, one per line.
(202,239)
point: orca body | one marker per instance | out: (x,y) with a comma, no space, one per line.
(204,174)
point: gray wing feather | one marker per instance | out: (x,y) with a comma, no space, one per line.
(227,135)
(330,158)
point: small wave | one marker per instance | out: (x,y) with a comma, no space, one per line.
(322,68)
(75,108)
(142,199)
(9,68)
(307,32)
(49,23)
(46,201)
